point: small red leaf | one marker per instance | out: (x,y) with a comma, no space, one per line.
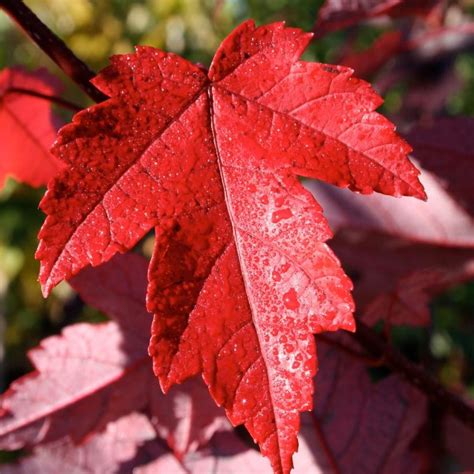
(27,127)
(408,301)
(241,275)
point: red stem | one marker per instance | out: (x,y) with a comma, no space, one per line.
(51,98)
(55,48)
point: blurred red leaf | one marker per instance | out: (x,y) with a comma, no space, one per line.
(241,276)
(73,384)
(27,127)
(459,440)
(359,423)
(78,389)
(225,454)
(441,220)
(110,452)
(338,14)
(422,8)
(369,61)
(446,148)
(395,279)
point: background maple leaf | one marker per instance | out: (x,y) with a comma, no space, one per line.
(27,126)
(94,374)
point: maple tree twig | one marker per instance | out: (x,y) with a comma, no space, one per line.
(51,98)
(55,48)
(414,374)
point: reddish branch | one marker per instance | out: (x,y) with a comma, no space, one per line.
(367,337)
(72,66)
(414,374)
(50,98)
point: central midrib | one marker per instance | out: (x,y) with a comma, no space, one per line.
(242,265)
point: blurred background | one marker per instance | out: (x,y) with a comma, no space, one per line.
(439,82)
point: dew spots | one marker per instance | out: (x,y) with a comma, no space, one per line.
(279,201)
(278,216)
(276,276)
(290,300)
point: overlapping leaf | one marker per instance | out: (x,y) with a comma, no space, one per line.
(240,276)
(375,431)
(94,374)
(442,220)
(396,279)
(357,424)
(446,148)
(27,126)
(113,451)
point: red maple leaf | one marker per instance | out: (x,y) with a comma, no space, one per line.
(27,126)
(241,275)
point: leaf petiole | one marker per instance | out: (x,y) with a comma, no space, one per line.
(66,104)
